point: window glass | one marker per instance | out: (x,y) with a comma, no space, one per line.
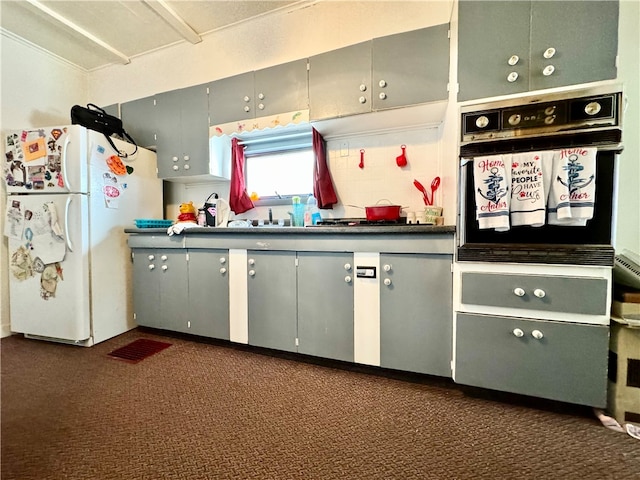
(280,174)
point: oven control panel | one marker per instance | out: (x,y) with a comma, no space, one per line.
(537,118)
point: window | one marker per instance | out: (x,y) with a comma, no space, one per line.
(278,163)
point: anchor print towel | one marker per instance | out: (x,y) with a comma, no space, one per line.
(492,183)
(528,199)
(573,186)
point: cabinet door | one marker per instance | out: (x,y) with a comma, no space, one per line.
(139,120)
(281,89)
(416,313)
(568,363)
(231,99)
(194,129)
(490,33)
(271,292)
(584,36)
(340,82)
(182,132)
(209,293)
(169,144)
(411,68)
(160,289)
(325,305)
(146,288)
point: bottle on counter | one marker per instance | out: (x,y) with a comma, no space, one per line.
(312,212)
(297,217)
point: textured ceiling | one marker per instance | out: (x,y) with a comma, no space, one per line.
(91,34)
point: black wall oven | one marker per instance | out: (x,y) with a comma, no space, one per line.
(587,118)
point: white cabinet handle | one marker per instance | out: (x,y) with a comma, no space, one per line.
(387,281)
(187,167)
(252,261)
(176,167)
(549,52)
(152,266)
(174,159)
(223,260)
(347,279)
(252,273)
(519,292)
(347,266)
(261,96)
(151,257)
(548,70)
(246,108)
(382,96)
(538,292)
(387,268)
(362,100)
(261,106)
(382,84)
(518,332)
(537,334)
(163,258)
(223,270)
(246,98)
(186,158)
(512,77)
(164,268)
(513,59)
(363,87)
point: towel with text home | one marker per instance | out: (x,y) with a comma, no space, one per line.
(492,180)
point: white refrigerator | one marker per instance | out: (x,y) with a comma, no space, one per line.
(69,199)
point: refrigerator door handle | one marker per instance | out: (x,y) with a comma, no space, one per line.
(66,225)
(65,177)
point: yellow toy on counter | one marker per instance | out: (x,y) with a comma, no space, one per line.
(187,213)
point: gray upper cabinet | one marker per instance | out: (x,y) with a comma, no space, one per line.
(411,68)
(183,132)
(507,47)
(340,82)
(139,120)
(270,91)
(399,70)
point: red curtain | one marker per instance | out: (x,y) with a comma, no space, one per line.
(239,201)
(322,183)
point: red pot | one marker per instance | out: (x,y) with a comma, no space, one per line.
(383,212)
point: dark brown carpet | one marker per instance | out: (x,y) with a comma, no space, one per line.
(205,411)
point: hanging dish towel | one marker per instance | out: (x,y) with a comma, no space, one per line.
(556,176)
(574,174)
(491,181)
(528,200)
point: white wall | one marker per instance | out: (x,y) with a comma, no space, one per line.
(36,90)
(628,222)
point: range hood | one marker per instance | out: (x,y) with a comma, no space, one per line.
(424,115)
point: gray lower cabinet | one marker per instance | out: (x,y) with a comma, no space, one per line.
(416,313)
(160,288)
(555,360)
(271,292)
(325,305)
(139,120)
(507,47)
(182,126)
(209,293)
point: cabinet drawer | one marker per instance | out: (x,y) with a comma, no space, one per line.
(536,292)
(568,363)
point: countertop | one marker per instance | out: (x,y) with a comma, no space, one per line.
(331,230)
